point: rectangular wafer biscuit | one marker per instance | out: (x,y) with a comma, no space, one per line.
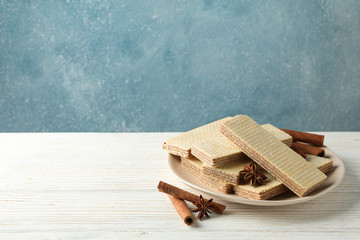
(323,164)
(194,166)
(279,134)
(229,173)
(180,145)
(220,151)
(216,184)
(272,186)
(286,165)
(217,152)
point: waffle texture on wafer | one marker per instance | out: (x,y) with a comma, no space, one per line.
(272,186)
(216,184)
(291,169)
(321,163)
(180,145)
(220,151)
(192,164)
(217,152)
(229,173)
(195,166)
(285,138)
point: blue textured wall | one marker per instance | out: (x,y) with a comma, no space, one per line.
(174,65)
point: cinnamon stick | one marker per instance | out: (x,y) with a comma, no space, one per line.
(182,194)
(183,210)
(308,149)
(299,151)
(315,139)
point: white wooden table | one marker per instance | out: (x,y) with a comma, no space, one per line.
(103,186)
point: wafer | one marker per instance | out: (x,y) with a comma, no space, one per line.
(323,164)
(220,151)
(195,166)
(285,138)
(229,173)
(217,152)
(272,186)
(180,145)
(216,184)
(192,164)
(286,165)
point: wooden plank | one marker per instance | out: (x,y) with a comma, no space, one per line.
(103,185)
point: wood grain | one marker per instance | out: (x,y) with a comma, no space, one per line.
(103,186)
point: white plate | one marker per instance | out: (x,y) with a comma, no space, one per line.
(287,198)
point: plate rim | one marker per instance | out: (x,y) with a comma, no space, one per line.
(238,199)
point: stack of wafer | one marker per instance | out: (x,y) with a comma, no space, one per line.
(227,178)
(273,187)
(217,152)
(195,166)
(181,145)
(286,165)
(220,151)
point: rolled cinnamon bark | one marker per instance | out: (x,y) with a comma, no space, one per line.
(182,194)
(301,152)
(308,149)
(315,139)
(183,210)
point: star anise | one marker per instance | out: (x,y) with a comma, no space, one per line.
(202,207)
(254,174)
